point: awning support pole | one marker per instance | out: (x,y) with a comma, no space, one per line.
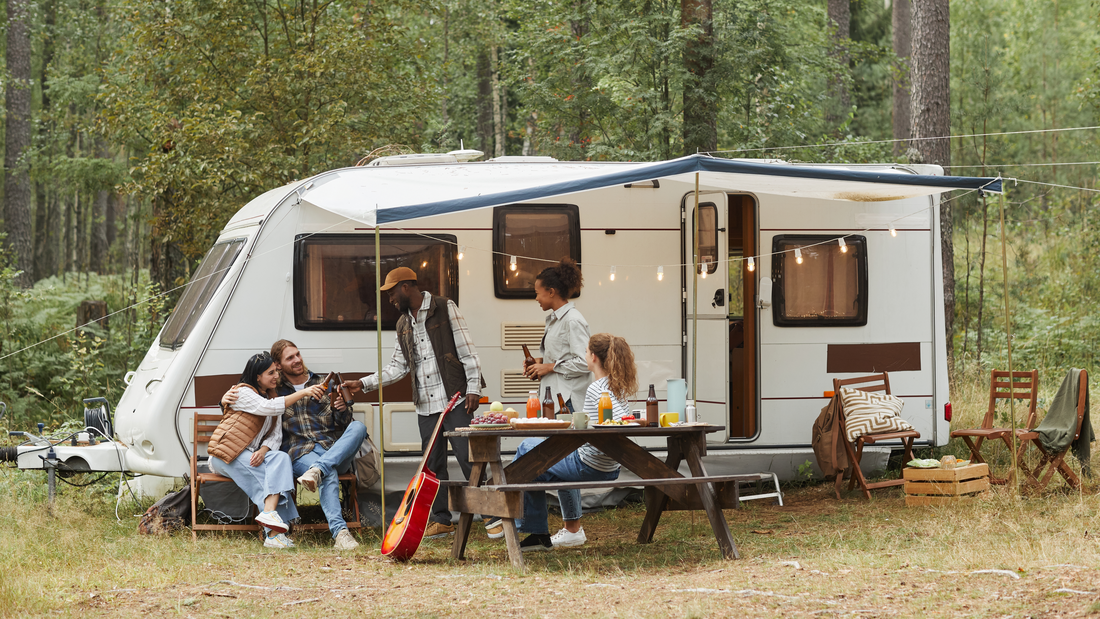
(378,331)
(1008,334)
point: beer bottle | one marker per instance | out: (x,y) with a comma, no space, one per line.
(606,408)
(548,405)
(528,359)
(652,417)
(562,408)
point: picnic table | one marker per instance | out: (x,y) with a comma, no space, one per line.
(666,488)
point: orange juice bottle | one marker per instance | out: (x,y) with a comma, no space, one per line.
(606,408)
(534,406)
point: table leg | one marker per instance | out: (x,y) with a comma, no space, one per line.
(656,502)
(710,501)
(462,533)
(511,536)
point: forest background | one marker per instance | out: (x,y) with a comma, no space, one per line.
(134,129)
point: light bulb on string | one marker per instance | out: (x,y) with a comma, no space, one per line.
(660,273)
(512,263)
(612,276)
(893,230)
(843,245)
(798,255)
(752,264)
(703,270)
(461,251)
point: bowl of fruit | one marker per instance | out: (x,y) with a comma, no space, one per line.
(490,421)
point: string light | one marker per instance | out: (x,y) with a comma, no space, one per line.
(752,264)
(843,245)
(893,230)
(660,273)
(612,273)
(703,270)
(798,255)
(512,265)
(461,251)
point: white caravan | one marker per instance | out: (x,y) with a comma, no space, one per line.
(759,340)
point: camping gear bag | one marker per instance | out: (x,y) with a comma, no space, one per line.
(172,513)
(367,467)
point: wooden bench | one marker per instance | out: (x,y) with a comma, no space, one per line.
(348,484)
(204,425)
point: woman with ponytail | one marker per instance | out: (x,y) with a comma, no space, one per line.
(612,362)
(562,366)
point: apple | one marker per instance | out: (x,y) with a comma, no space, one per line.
(496,406)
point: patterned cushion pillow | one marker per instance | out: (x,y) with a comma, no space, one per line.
(871,413)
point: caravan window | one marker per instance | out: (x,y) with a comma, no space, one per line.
(829,287)
(335,287)
(198,292)
(538,237)
(708,237)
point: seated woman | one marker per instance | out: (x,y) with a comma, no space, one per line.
(612,362)
(262,471)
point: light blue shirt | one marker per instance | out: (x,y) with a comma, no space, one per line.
(563,344)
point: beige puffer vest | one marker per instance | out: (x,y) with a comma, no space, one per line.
(235,431)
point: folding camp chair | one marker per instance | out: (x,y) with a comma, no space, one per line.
(1035,478)
(872,383)
(204,426)
(1020,386)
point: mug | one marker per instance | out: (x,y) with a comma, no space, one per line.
(580,421)
(667,419)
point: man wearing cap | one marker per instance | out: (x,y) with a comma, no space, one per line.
(433,344)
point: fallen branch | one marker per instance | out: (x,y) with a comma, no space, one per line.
(275,588)
(220,595)
(1001,572)
(303,601)
(1075,591)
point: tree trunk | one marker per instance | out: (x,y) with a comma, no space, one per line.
(45,228)
(902,20)
(17,184)
(840,102)
(700,95)
(931,109)
(484,103)
(166,261)
(498,102)
(578,137)
(97,259)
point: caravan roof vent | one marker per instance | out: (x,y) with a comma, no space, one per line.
(414,159)
(466,154)
(523,159)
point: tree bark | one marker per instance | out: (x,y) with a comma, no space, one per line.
(97,259)
(700,130)
(45,227)
(931,109)
(17,184)
(498,102)
(484,102)
(840,102)
(902,20)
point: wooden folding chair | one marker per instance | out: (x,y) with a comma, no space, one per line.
(1035,478)
(871,383)
(204,425)
(1002,386)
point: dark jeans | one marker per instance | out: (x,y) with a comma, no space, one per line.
(437,460)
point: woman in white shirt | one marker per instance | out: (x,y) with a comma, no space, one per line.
(562,366)
(263,472)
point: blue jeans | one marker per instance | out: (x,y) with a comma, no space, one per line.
(569,468)
(273,476)
(332,462)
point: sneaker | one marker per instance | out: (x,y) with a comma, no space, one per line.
(272,521)
(536,542)
(495,528)
(311,479)
(279,540)
(344,541)
(436,530)
(565,539)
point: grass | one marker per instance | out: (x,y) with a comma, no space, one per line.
(814,557)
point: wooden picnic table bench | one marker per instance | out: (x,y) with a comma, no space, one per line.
(666,488)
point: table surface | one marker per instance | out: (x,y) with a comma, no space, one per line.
(592,431)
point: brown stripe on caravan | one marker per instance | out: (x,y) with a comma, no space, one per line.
(210,389)
(892,357)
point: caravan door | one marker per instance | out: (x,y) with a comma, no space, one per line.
(706,321)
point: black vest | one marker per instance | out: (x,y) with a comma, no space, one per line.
(438,325)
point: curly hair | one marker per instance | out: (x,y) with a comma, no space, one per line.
(618,361)
(565,277)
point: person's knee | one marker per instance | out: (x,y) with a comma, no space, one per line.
(356,430)
(527,445)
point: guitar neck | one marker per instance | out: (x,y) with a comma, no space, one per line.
(435,433)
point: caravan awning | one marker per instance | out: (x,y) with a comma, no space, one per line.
(389,194)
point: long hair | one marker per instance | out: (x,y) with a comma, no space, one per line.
(618,361)
(277,354)
(257,364)
(565,277)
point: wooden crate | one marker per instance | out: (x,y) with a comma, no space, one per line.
(945,486)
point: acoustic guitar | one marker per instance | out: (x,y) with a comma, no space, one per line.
(407,529)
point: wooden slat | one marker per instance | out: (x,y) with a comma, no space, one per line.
(947,487)
(622,483)
(971,471)
(727,496)
(486,501)
(639,461)
(543,456)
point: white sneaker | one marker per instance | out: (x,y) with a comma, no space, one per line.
(344,541)
(272,521)
(565,539)
(279,540)
(495,528)
(311,479)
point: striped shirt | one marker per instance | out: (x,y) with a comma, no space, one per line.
(428,379)
(587,453)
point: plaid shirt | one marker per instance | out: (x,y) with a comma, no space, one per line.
(307,422)
(429,381)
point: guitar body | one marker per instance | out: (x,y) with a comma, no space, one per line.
(407,529)
(411,519)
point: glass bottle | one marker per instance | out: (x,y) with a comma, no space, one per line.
(548,405)
(527,358)
(652,417)
(562,408)
(606,408)
(534,407)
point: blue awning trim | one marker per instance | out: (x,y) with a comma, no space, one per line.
(684,165)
